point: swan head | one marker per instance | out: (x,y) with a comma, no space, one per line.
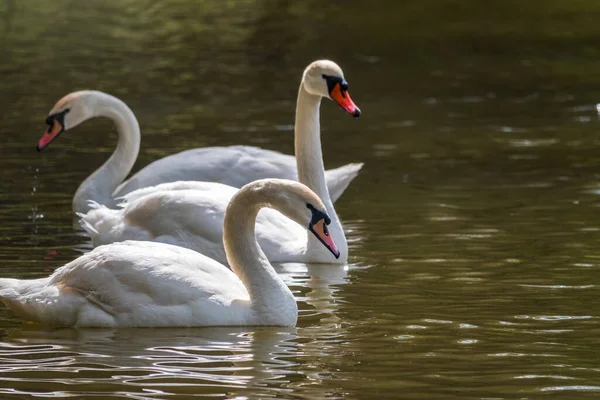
(326,79)
(297,202)
(67,113)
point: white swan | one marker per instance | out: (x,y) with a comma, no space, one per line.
(131,283)
(232,165)
(190,214)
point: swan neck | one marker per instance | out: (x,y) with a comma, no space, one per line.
(311,170)
(269,295)
(307,144)
(101,184)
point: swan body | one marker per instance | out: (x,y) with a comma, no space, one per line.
(233,165)
(191,214)
(136,284)
(131,284)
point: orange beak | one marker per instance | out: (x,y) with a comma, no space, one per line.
(52,133)
(342,97)
(319,230)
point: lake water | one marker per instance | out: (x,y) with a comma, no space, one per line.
(473,227)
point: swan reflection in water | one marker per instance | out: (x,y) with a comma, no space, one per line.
(208,358)
(318,282)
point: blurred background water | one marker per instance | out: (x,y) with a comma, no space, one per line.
(473,225)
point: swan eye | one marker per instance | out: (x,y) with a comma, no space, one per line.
(332,81)
(50,123)
(317,215)
(60,116)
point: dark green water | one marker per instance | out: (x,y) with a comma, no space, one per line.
(474,224)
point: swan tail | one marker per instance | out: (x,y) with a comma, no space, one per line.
(39,300)
(101,223)
(105,226)
(338,179)
(32,299)
(10,295)
(8,288)
(14,294)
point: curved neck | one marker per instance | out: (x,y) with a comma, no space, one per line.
(311,170)
(269,295)
(100,185)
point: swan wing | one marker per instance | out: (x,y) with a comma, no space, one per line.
(190,214)
(191,218)
(132,284)
(174,186)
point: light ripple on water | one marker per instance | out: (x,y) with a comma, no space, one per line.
(130,359)
(575,388)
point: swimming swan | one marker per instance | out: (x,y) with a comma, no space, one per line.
(144,284)
(232,165)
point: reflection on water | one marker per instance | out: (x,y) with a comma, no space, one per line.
(472,227)
(143,363)
(147,362)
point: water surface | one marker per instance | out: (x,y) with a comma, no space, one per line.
(473,226)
